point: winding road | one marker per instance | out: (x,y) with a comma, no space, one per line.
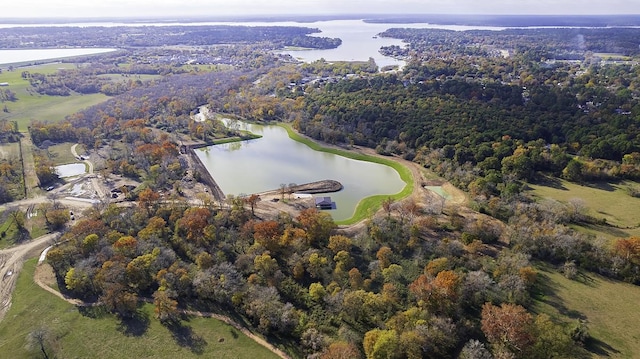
(11,261)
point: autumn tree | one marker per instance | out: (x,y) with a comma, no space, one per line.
(508,327)
(165,307)
(382,344)
(317,224)
(57,218)
(628,249)
(341,350)
(252,200)
(148,199)
(267,234)
(193,223)
(339,243)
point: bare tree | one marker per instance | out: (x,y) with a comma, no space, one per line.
(39,339)
(291,188)
(283,190)
(386,205)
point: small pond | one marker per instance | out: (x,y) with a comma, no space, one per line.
(263,164)
(70,170)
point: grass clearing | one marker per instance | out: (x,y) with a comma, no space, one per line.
(34,225)
(91,333)
(612,319)
(10,151)
(61,154)
(8,230)
(33,106)
(612,56)
(604,200)
(367,206)
(9,233)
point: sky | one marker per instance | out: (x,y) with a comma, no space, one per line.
(176,8)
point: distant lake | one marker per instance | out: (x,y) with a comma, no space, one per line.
(263,164)
(16,56)
(359,39)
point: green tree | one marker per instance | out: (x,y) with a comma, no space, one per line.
(573,170)
(382,344)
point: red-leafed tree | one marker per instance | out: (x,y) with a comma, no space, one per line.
(508,327)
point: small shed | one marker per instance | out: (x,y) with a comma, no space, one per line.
(4,84)
(324,203)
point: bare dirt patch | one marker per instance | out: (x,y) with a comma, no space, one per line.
(44,274)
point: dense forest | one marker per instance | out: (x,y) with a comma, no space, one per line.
(414,282)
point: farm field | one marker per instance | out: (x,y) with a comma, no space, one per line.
(30,107)
(85,333)
(603,200)
(612,320)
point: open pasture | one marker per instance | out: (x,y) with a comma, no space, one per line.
(609,201)
(91,332)
(33,106)
(612,320)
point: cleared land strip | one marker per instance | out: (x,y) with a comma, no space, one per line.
(31,181)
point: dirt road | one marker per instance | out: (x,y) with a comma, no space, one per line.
(11,261)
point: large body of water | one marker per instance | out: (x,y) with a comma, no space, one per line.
(359,39)
(28,55)
(263,164)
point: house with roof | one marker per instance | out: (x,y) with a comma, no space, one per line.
(324,203)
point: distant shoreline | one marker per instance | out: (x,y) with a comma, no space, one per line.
(621,20)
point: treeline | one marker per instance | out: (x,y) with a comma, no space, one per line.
(11,176)
(11,180)
(405,288)
(589,21)
(150,36)
(459,113)
(64,82)
(9,131)
(552,42)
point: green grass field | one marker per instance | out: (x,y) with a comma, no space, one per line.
(610,309)
(612,56)
(367,206)
(91,333)
(61,154)
(8,230)
(30,107)
(604,200)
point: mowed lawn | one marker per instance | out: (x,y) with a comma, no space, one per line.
(90,333)
(604,200)
(610,309)
(34,106)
